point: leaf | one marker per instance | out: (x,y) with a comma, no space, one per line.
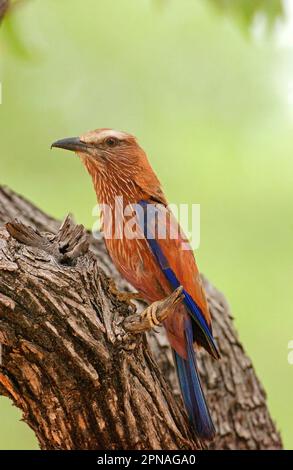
(246,10)
(13,37)
(4,5)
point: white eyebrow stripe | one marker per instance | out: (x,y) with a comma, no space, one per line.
(112,133)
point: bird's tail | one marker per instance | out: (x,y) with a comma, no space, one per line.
(191,390)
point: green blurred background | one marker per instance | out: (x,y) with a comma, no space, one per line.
(213,107)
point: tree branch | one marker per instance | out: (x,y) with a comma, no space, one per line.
(75,360)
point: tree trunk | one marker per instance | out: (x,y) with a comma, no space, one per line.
(76,361)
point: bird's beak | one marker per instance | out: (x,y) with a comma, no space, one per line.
(71,143)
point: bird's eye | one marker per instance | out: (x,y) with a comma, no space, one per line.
(111,142)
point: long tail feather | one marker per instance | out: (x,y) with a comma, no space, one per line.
(191,389)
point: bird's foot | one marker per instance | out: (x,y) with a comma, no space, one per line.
(127,297)
(150,314)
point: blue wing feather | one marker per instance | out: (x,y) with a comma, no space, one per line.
(191,305)
(186,368)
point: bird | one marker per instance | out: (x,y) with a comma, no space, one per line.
(154,263)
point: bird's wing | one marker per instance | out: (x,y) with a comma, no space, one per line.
(175,257)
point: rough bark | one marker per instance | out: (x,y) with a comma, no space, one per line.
(72,363)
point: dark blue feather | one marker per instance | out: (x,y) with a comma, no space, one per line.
(191,305)
(191,389)
(187,371)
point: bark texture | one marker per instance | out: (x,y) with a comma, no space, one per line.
(74,360)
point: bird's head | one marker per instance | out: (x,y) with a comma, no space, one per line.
(102,147)
(112,156)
